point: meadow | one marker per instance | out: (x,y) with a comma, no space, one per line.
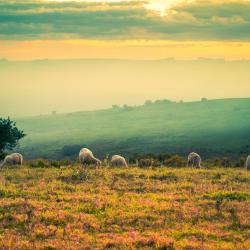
(71,207)
(213,128)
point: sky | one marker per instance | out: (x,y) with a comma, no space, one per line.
(153,29)
(150,30)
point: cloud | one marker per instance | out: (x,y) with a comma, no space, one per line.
(195,20)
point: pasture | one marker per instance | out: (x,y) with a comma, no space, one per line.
(214,128)
(124,208)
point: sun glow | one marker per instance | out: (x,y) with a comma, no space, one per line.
(160,6)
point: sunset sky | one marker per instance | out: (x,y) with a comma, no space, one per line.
(183,29)
(190,32)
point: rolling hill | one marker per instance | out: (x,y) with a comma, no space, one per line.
(211,127)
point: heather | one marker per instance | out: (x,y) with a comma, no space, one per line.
(71,207)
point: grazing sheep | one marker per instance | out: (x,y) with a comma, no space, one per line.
(13,159)
(86,157)
(194,159)
(118,161)
(248,163)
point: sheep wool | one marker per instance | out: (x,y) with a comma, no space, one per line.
(118,161)
(13,159)
(194,159)
(86,157)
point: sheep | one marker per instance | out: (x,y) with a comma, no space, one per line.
(248,163)
(194,159)
(118,161)
(13,159)
(86,157)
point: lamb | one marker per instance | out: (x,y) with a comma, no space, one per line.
(248,163)
(86,157)
(13,159)
(194,159)
(118,161)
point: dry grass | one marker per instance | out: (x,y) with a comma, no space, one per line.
(132,208)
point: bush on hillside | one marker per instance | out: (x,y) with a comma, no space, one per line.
(146,162)
(175,161)
(44,163)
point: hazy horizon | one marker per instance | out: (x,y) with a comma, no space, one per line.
(41,86)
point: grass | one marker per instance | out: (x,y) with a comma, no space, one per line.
(212,128)
(128,208)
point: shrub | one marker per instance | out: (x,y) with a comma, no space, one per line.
(66,162)
(240,163)
(147,162)
(39,163)
(175,161)
(44,163)
(55,164)
(226,162)
(157,163)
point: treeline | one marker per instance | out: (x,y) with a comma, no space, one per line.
(146,103)
(150,102)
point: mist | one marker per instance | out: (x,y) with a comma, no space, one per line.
(31,88)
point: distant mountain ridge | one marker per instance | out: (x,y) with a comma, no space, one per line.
(211,127)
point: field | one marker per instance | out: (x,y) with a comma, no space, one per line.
(129,208)
(212,128)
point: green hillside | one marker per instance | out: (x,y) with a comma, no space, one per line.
(213,128)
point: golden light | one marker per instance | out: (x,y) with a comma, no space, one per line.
(160,6)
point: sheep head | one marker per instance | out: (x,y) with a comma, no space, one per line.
(98,162)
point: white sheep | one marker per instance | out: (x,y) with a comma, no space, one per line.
(86,157)
(13,159)
(194,159)
(248,163)
(118,161)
